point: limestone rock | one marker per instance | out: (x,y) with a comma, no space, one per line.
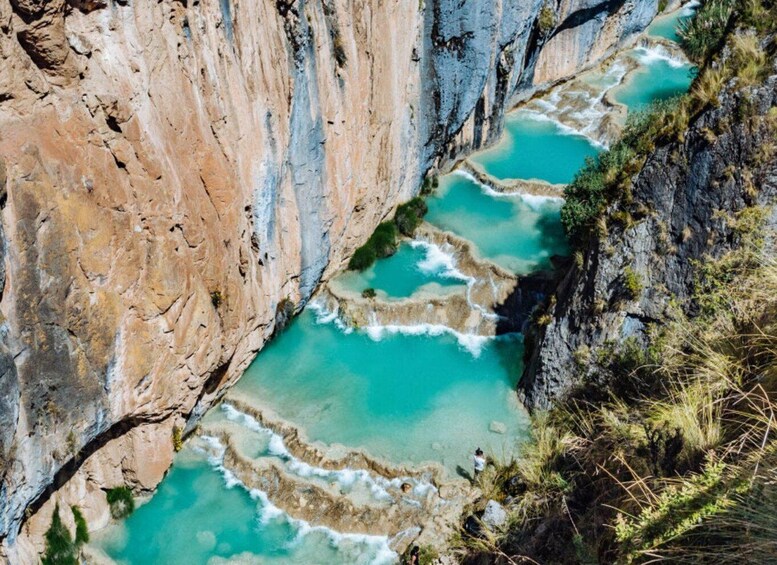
(494,516)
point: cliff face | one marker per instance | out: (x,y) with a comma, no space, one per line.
(691,194)
(178,176)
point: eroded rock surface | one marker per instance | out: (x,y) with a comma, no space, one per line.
(689,195)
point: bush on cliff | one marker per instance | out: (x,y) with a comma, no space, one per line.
(384,242)
(60,548)
(121,502)
(410,215)
(82,529)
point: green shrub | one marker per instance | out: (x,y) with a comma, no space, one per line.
(82,530)
(410,215)
(369,293)
(382,243)
(384,240)
(662,4)
(362,258)
(429,186)
(121,502)
(702,35)
(632,283)
(216,298)
(60,549)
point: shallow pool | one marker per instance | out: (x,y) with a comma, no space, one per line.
(519,232)
(405,396)
(202,516)
(659,77)
(414,266)
(668,25)
(534,147)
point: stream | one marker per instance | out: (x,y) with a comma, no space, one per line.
(305,459)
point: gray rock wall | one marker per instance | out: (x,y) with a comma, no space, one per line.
(691,191)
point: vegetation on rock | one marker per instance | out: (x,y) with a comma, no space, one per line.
(667,448)
(60,547)
(384,241)
(121,502)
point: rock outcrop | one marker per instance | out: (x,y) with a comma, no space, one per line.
(179,176)
(690,196)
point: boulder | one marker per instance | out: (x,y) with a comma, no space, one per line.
(494,516)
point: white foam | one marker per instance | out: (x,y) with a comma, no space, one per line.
(538,201)
(690,8)
(472,343)
(655,53)
(379,545)
(562,128)
(533,200)
(324,316)
(346,478)
(438,261)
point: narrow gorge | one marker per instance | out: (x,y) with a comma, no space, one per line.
(185,186)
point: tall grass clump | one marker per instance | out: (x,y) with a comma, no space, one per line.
(702,35)
(60,548)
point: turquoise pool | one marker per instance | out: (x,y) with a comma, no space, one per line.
(536,148)
(659,77)
(410,396)
(520,233)
(200,516)
(415,265)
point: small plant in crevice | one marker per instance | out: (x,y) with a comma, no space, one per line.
(369,293)
(216,298)
(177,439)
(632,283)
(82,529)
(338,49)
(546,20)
(121,501)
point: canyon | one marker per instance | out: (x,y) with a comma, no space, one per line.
(179,177)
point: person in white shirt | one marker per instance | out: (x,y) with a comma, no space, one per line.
(480,462)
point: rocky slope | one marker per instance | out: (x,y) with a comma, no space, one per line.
(177,178)
(692,202)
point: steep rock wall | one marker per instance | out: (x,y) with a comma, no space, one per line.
(178,176)
(688,196)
